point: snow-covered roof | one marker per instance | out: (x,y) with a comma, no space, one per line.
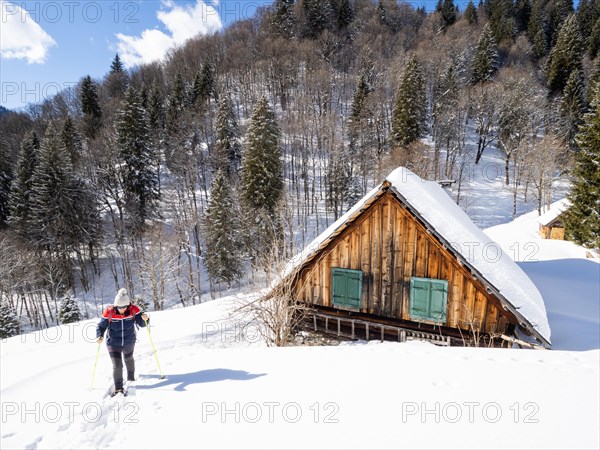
(555,210)
(447,221)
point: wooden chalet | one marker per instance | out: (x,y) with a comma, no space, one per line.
(407,263)
(551,223)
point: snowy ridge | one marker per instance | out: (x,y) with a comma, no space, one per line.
(446,218)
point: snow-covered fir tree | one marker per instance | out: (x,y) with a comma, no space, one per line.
(228,152)
(223,244)
(262,165)
(319,16)
(117,79)
(262,186)
(582,222)
(9,322)
(175,107)
(69,310)
(90,106)
(566,56)
(572,107)
(71,141)
(63,211)
(486,59)
(6,179)
(283,20)
(20,201)
(410,106)
(140,179)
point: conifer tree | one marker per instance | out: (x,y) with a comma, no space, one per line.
(502,20)
(447,14)
(9,322)
(471,13)
(345,15)
(20,199)
(360,97)
(485,62)
(156,113)
(582,221)
(558,12)
(63,211)
(360,126)
(262,186)
(228,153)
(223,256)
(69,310)
(117,79)
(522,10)
(283,20)
(156,123)
(319,17)
(588,12)
(410,107)
(140,183)
(175,106)
(572,107)
(71,141)
(594,40)
(594,80)
(262,165)
(206,86)
(90,107)
(6,179)
(537,29)
(566,56)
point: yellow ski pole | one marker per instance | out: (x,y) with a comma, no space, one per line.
(154,350)
(95,364)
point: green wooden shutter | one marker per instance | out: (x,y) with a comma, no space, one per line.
(428,299)
(438,301)
(419,298)
(346,287)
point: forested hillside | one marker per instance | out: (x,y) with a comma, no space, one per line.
(202,172)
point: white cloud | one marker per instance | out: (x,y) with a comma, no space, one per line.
(21,37)
(182,23)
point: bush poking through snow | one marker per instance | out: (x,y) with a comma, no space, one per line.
(69,311)
(9,322)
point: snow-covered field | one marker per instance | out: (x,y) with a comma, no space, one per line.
(223,390)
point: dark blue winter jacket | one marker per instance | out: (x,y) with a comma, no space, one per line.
(121,327)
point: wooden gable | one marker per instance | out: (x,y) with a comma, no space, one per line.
(391,247)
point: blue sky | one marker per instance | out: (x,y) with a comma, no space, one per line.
(50,45)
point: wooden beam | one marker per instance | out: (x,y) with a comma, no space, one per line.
(521,342)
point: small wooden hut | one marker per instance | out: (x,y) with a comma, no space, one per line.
(406,261)
(551,222)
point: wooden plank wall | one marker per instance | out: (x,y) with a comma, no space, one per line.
(390,246)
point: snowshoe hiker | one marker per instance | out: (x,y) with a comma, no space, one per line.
(120,320)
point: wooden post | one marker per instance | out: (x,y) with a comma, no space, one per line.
(353,329)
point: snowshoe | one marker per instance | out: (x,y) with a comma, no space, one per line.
(118,391)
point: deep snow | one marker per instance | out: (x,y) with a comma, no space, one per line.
(223,390)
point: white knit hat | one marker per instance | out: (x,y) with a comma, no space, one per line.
(122,299)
